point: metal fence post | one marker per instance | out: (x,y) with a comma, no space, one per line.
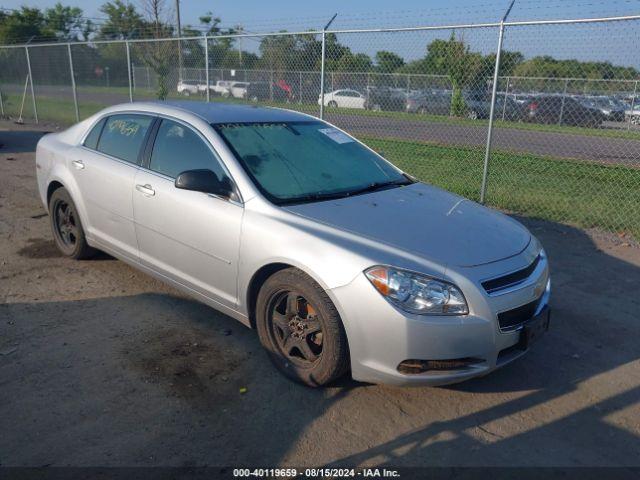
(206,66)
(564,95)
(633,104)
(494,91)
(322,76)
(270,85)
(33,95)
(300,89)
(129,71)
(322,61)
(506,93)
(1,105)
(73,83)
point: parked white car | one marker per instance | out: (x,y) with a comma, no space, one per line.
(345,98)
(633,116)
(222,87)
(238,89)
(188,87)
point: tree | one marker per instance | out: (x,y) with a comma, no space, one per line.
(359,62)
(21,25)
(57,23)
(463,67)
(388,62)
(159,56)
(123,21)
(67,23)
(278,52)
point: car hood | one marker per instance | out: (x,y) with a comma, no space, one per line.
(424,220)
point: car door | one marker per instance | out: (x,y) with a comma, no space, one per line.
(357,99)
(104,168)
(190,237)
(352,99)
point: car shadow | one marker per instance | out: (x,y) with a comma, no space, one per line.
(19,141)
(160,379)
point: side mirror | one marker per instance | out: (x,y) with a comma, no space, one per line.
(204,181)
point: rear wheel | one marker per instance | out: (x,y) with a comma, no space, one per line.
(300,328)
(66,226)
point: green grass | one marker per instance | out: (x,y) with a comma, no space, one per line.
(585,194)
(60,110)
(582,193)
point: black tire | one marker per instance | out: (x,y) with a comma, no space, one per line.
(66,226)
(305,326)
(332,104)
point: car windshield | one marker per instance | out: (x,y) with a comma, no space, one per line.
(295,162)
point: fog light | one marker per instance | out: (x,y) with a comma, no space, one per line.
(420,366)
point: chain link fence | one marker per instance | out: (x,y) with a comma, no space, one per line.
(499,112)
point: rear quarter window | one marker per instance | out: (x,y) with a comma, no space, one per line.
(94,135)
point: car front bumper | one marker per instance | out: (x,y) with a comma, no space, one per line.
(381,337)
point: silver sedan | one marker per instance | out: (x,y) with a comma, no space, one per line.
(337,258)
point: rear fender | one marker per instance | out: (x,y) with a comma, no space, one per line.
(60,173)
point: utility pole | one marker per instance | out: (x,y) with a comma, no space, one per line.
(179,30)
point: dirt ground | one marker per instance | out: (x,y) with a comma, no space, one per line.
(102,365)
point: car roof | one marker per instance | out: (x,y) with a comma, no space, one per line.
(219,112)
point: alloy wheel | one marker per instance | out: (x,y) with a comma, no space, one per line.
(65,223)
(296,328)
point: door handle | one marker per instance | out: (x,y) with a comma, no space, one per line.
(78,164)
(146,189)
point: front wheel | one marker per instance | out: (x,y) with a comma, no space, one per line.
(300,328)
(66,226)
(332,104)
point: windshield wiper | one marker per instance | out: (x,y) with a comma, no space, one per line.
(372,187)
(375,186)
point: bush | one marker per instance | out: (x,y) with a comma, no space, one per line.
(458,105)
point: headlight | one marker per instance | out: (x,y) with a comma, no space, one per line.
(417,293)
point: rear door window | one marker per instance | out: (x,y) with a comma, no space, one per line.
(123,136)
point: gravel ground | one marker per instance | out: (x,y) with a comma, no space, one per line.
(102,365)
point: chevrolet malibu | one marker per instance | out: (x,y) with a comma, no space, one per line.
(337,258)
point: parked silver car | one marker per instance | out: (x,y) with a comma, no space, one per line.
(288,224)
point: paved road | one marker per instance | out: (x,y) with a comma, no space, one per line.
(583,147)
(102,365)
